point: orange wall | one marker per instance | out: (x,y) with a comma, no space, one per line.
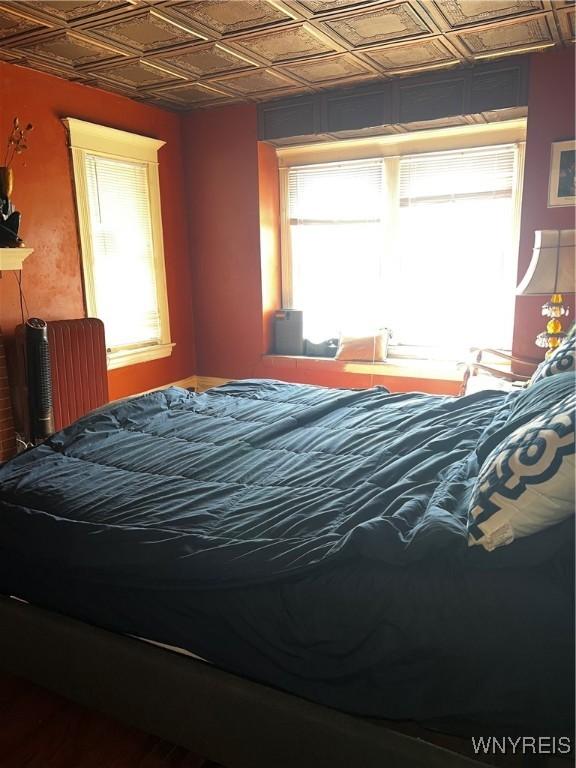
(550,118)
(43,191)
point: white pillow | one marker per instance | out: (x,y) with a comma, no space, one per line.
(527,483)
(371,349)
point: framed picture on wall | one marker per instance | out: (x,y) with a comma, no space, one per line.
(561,190)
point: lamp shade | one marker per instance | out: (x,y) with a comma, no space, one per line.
(551,269)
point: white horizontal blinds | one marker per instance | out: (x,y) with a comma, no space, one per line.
(476,173)
(122,250)
(455,233)
(335,193)
(335,212)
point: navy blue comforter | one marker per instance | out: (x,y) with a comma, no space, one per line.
(249,482)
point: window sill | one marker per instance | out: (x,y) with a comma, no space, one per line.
(397,367)
(120,358)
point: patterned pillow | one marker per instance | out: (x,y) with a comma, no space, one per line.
(560,361)
(527,483)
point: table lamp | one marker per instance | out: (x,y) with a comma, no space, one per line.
(551,271)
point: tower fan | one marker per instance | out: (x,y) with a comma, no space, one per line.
(39,379)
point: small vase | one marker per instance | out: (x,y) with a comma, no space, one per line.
(6,182)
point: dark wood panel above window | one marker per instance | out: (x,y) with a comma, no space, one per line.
(357,108)
(486,92)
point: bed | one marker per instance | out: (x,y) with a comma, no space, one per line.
(293,559)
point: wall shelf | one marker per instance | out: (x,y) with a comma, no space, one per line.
(13,258)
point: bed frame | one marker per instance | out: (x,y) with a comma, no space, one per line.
(226,718)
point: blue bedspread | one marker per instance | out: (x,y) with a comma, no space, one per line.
(249,482)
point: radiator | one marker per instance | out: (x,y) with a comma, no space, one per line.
(78,363)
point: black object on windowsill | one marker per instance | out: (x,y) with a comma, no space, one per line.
(326,348)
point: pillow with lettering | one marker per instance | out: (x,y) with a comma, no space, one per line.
(526,484)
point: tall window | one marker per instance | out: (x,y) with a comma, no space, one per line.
(424,244)
(117,192)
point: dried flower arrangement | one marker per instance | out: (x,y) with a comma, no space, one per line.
(16,141)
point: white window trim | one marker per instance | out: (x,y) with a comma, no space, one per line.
(110,142)
(121,357)
(392,148)
(433,140)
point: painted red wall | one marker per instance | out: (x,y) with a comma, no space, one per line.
(222,168)
(43,191)
(550,118)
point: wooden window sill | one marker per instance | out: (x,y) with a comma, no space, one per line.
(120,358)
(395,367)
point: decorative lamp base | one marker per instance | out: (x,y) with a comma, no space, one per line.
(553,336)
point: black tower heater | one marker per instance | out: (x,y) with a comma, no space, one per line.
(38,379)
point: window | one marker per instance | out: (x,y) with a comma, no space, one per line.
(423,243)
(118,199)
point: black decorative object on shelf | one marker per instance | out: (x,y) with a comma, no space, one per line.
(326,348)
(9,217)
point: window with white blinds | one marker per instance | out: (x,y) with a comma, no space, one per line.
(435,176)
(335,217)
(336,193)
(424,244)
(122,251)
(119,215)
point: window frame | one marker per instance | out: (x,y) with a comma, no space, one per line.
(392,148)
(92,139)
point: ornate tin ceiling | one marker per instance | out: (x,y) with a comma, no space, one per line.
(184,54)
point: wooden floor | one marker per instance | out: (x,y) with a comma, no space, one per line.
(39,729)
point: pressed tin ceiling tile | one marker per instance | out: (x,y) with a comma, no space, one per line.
(258,82)
(286,44)
(327,69)
(424,52)
(229,17)
(380,25)
(147,31)
(13,23)
(192,95)
(203,61)
(137,74)
(526,33)
(459,13)
(327,6)
(67,47)
(567,20)
(73,10)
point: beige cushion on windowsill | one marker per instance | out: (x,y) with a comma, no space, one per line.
(363,348)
